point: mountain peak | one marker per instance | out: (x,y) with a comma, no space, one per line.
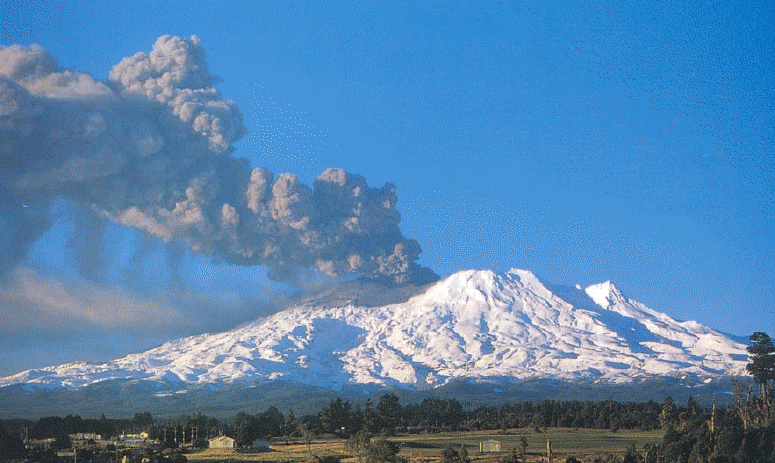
(605,294)
(472,325)
(526,277)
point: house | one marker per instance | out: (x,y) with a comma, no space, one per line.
(489,446)
(85,436)
(222,442)
(133,439)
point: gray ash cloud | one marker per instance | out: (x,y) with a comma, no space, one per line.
(152,148)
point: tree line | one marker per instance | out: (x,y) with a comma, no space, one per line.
(742,432)
(688,430)
(344,419)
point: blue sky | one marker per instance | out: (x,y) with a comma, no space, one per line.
(584,141)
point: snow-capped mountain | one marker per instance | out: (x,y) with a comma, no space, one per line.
(473,325)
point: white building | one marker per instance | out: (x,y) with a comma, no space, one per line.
(489,446)
(133,439)
(222,442)
(85,436)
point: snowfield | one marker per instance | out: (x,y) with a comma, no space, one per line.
(471,325)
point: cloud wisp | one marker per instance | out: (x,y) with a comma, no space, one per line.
(152,148)
(36,302)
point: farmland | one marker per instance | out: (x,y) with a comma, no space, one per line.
(582,443)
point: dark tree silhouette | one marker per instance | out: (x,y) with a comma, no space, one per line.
(11,446)
(389,413)
(453,454)
(762,366)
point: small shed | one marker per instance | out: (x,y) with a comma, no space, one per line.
(489,446)
(261,444)
(222,442)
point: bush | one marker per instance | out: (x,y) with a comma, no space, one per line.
(383,451)
(326,459)
(452,454)
(510,457)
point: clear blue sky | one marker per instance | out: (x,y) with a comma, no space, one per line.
(584,141)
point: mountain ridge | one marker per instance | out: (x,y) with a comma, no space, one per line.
(475,325)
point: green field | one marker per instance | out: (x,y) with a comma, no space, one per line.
(564,441)
(428,447)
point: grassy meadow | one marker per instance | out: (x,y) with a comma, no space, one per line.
(583,443)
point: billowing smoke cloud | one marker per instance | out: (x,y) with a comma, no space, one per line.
(151,149)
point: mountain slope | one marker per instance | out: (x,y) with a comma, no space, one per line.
(473,325)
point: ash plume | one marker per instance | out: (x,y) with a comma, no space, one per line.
(151,148)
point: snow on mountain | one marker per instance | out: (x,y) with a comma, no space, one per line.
(472,325)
